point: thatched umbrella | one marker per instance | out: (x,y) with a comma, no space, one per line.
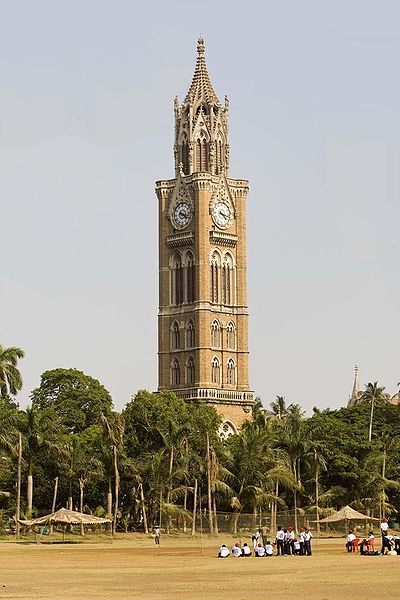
(348,514)
(65,517)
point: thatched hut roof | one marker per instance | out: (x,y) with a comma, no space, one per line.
(65,517)
(347,514)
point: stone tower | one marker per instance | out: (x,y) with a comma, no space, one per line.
(203,314)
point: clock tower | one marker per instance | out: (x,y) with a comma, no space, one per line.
(203,314)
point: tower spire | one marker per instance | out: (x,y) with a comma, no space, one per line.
(356,388)
(201,89)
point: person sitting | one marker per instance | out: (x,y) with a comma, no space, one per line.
(296,547)
(236,550)
(260,550)
(364,547)
(371,541)
(246,550)
(269,549)
(223,552)
(350,541)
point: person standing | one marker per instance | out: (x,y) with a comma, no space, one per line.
(301,541)
(384,526)
(307,542)
(280,541)
(254,538)
(156,535)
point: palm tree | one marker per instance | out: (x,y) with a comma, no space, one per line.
(373,394)
(10,377)
(41,434)
(292,439)
(279,408)
(113,430)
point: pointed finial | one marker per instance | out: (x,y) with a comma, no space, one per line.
(200,46)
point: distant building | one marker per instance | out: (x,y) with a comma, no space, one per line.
(356,393)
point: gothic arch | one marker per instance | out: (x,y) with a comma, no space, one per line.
(228,280)
(215,334)
(190,279)
(175,336)
(190,370)
(226,429)
(215,268)
(215,371)
(175,372)
(190,334)
(231,336)
(176,278)
(231,372)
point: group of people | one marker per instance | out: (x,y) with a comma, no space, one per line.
(390,543)
(286,543)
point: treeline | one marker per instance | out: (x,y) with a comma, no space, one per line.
(163,455)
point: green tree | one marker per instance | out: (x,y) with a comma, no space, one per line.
(10,377)
(372,395)
(78,399)
(41,431)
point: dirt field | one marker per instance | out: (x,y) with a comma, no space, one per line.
(182,569)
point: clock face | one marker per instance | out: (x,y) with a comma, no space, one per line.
(182,214)
(221,214)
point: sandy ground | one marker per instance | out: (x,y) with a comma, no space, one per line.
(181,568)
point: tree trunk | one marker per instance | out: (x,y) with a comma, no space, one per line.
(383,477)
(194,507)
(210,517)
(146,529)
(215,515)
(29,496)
(371,419)
(81,490)
(317,500)
(18,504)
(53,506)
(171,464)
(185,508)
(295,497)
(116,488)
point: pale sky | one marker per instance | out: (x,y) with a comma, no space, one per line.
(86,127)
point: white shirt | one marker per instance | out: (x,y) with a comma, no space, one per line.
(236,551)
(269,549)
(260,550)
(280,535)
(384,526)
(224,551)
(351,537)
(307,536)
(246,551)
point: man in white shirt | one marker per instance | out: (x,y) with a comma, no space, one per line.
(307,542)
(269,550)
(236,550)
(246,550)
(350,541)
(280,537)
(260,550)
(223,552)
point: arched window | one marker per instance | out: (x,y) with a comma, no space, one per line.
(176,279)
(214,282)
(190,335)
(202,151)
(175,336)
(185,157)
(190,370)
(175,372)
(231,336)
(218,161)
(215,370)
(231,372)
(215,334)
(228,280)
(190,278)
